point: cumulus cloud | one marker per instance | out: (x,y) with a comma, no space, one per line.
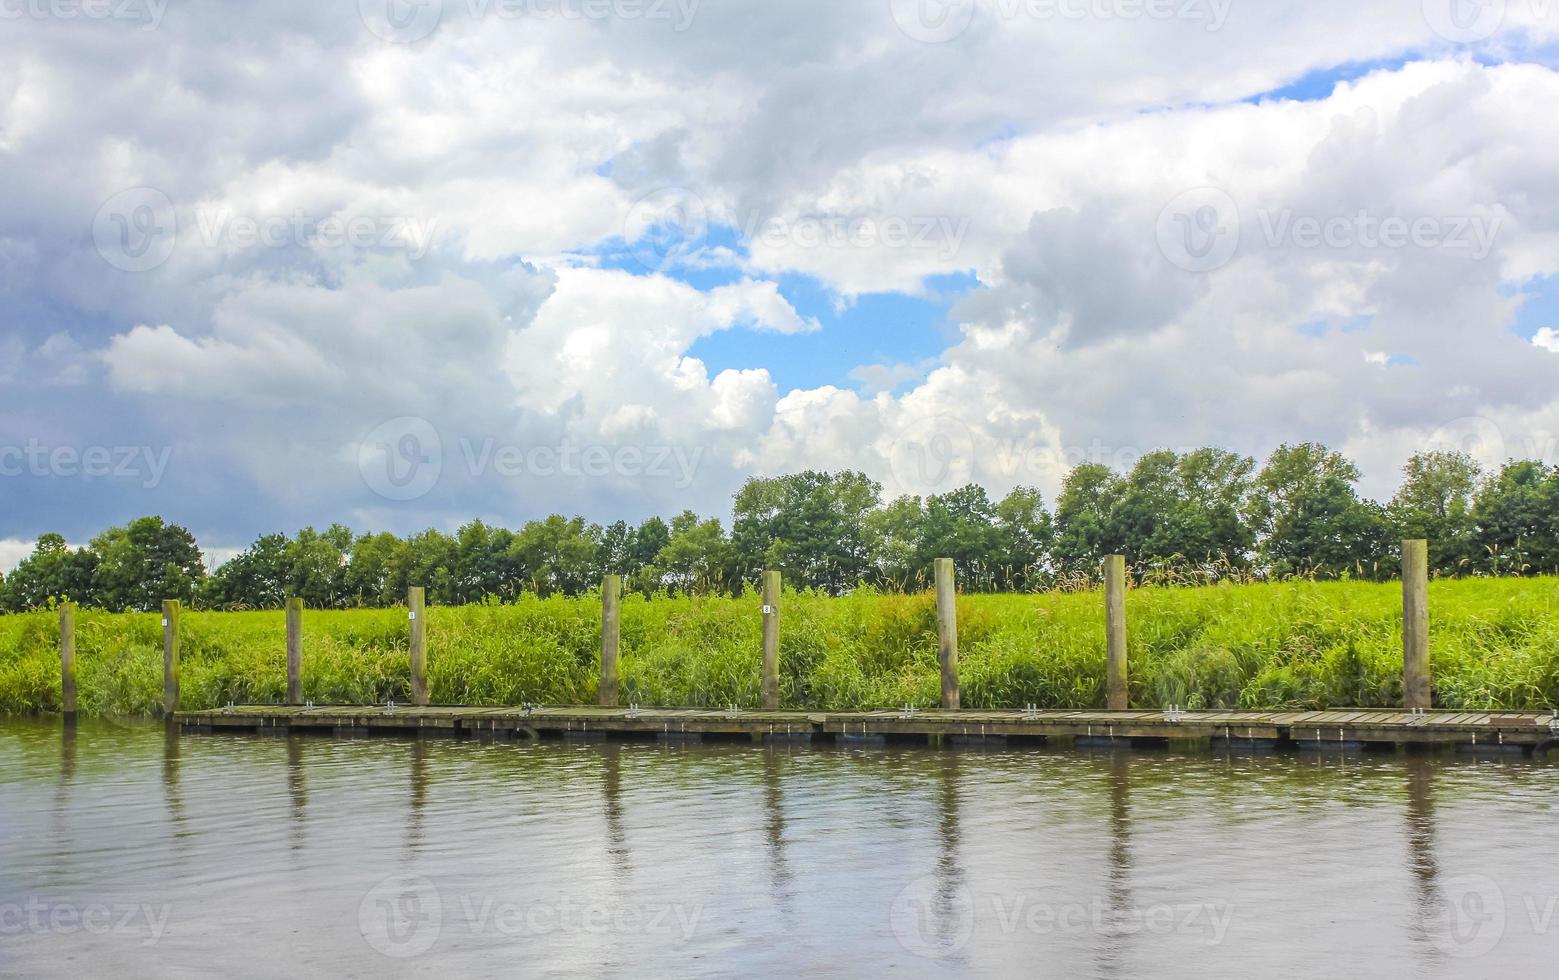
(1045,161)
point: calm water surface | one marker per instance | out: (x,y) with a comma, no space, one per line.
(126,852)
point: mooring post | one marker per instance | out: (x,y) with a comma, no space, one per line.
(68,662)
(611,640)
(294,651)
(170,656)
(1417,691)
(1115,631)
(416,599)
(771,634)
(947,632)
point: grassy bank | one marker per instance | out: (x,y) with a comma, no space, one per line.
(1495,645)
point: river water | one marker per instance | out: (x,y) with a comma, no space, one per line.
(128,852)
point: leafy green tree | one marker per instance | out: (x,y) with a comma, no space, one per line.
(1517,517)
(255,578)
(1311,518)
(697,558)
(1435,502)
(810,526)
(1025,533)
(52,573)
(1182,513)
(371,570)
(895,544)
(556,555)
(614,552)
(426,559)
(316,566)
(145,562)
(961,525)
(483,563)
(1084,511)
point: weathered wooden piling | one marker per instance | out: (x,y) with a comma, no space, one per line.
(771,635)
(171,610)
(416,601)
(947,632)
(1115,631)
(611,640)
(1417,689)
(68,662)
(294,651)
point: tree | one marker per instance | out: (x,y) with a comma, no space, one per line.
(1025,534)
(316,566)
(1084,532)
(895,544)
(1518,526)
(52,573)
(811,526)
(696,559)
(255,578)
(370,571)
(1311,519)
(555,555)
(961,525)
(1182,513)
(1435,502)
(483,563)
(145,562)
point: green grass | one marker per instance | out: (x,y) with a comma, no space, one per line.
(1302,645)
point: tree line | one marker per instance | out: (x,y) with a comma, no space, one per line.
(1203,516)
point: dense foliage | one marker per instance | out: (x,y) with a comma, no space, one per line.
(1299,644)
(1204,516)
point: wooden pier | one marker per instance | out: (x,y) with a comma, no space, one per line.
(1491,731)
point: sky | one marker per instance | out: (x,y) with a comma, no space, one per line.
(406,263)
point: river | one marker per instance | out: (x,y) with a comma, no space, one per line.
(125,851)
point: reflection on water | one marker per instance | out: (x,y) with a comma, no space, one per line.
(134,851)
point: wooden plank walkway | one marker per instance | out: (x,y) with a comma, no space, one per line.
(1483,729)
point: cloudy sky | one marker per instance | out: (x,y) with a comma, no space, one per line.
(403,264)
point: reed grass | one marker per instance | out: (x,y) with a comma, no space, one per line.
(1297,644)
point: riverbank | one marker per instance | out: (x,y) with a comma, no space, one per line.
(1297,646)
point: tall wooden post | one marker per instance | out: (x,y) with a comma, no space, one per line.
(611,640)
(1417,691)
(416,599)
(68,662)
(170,656)
(771,636)
(947,632)
(1115,631)
(294,651)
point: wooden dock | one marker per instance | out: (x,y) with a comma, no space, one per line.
(1492,731)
